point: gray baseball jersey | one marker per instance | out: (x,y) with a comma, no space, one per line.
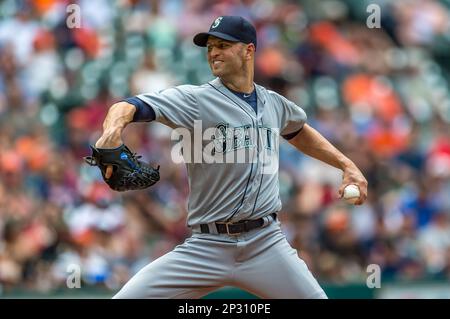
(232,163)
(229,191)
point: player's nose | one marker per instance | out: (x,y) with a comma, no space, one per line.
(214,52)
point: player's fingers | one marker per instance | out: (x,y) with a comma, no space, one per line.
(362,198)
(109,171)
(341,190)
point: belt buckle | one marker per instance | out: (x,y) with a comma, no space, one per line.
(228,229)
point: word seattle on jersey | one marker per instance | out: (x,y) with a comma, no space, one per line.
(226,144)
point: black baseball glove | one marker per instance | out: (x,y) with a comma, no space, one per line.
(128,172)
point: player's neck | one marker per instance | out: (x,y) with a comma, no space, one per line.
(243,84)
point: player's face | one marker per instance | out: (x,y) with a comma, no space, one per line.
(225,57)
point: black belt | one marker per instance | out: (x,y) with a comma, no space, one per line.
(237,227)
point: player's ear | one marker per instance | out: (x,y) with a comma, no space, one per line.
(249,50)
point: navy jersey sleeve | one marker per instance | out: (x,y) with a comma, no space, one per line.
(144,112)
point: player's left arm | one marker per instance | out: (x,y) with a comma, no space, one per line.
(312,143)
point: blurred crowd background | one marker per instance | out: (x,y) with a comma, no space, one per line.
(381,95)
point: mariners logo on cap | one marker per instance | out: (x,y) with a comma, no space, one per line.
(216,22)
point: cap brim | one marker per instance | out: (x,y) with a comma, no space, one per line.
(201,38)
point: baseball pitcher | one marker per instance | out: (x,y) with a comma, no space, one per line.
(233,177)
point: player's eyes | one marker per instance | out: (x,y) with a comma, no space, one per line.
(220,46)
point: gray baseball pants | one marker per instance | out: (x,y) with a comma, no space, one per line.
(260,261)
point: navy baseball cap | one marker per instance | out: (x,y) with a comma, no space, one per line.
(231,28)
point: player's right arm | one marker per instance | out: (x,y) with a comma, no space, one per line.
(119,116)
(174,107)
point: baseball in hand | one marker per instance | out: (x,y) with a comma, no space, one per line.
(351,193)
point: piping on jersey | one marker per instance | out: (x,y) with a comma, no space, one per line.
(257,151)
(262,175)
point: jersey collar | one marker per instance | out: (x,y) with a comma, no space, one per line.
(217,83)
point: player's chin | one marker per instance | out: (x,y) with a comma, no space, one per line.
(215,71)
